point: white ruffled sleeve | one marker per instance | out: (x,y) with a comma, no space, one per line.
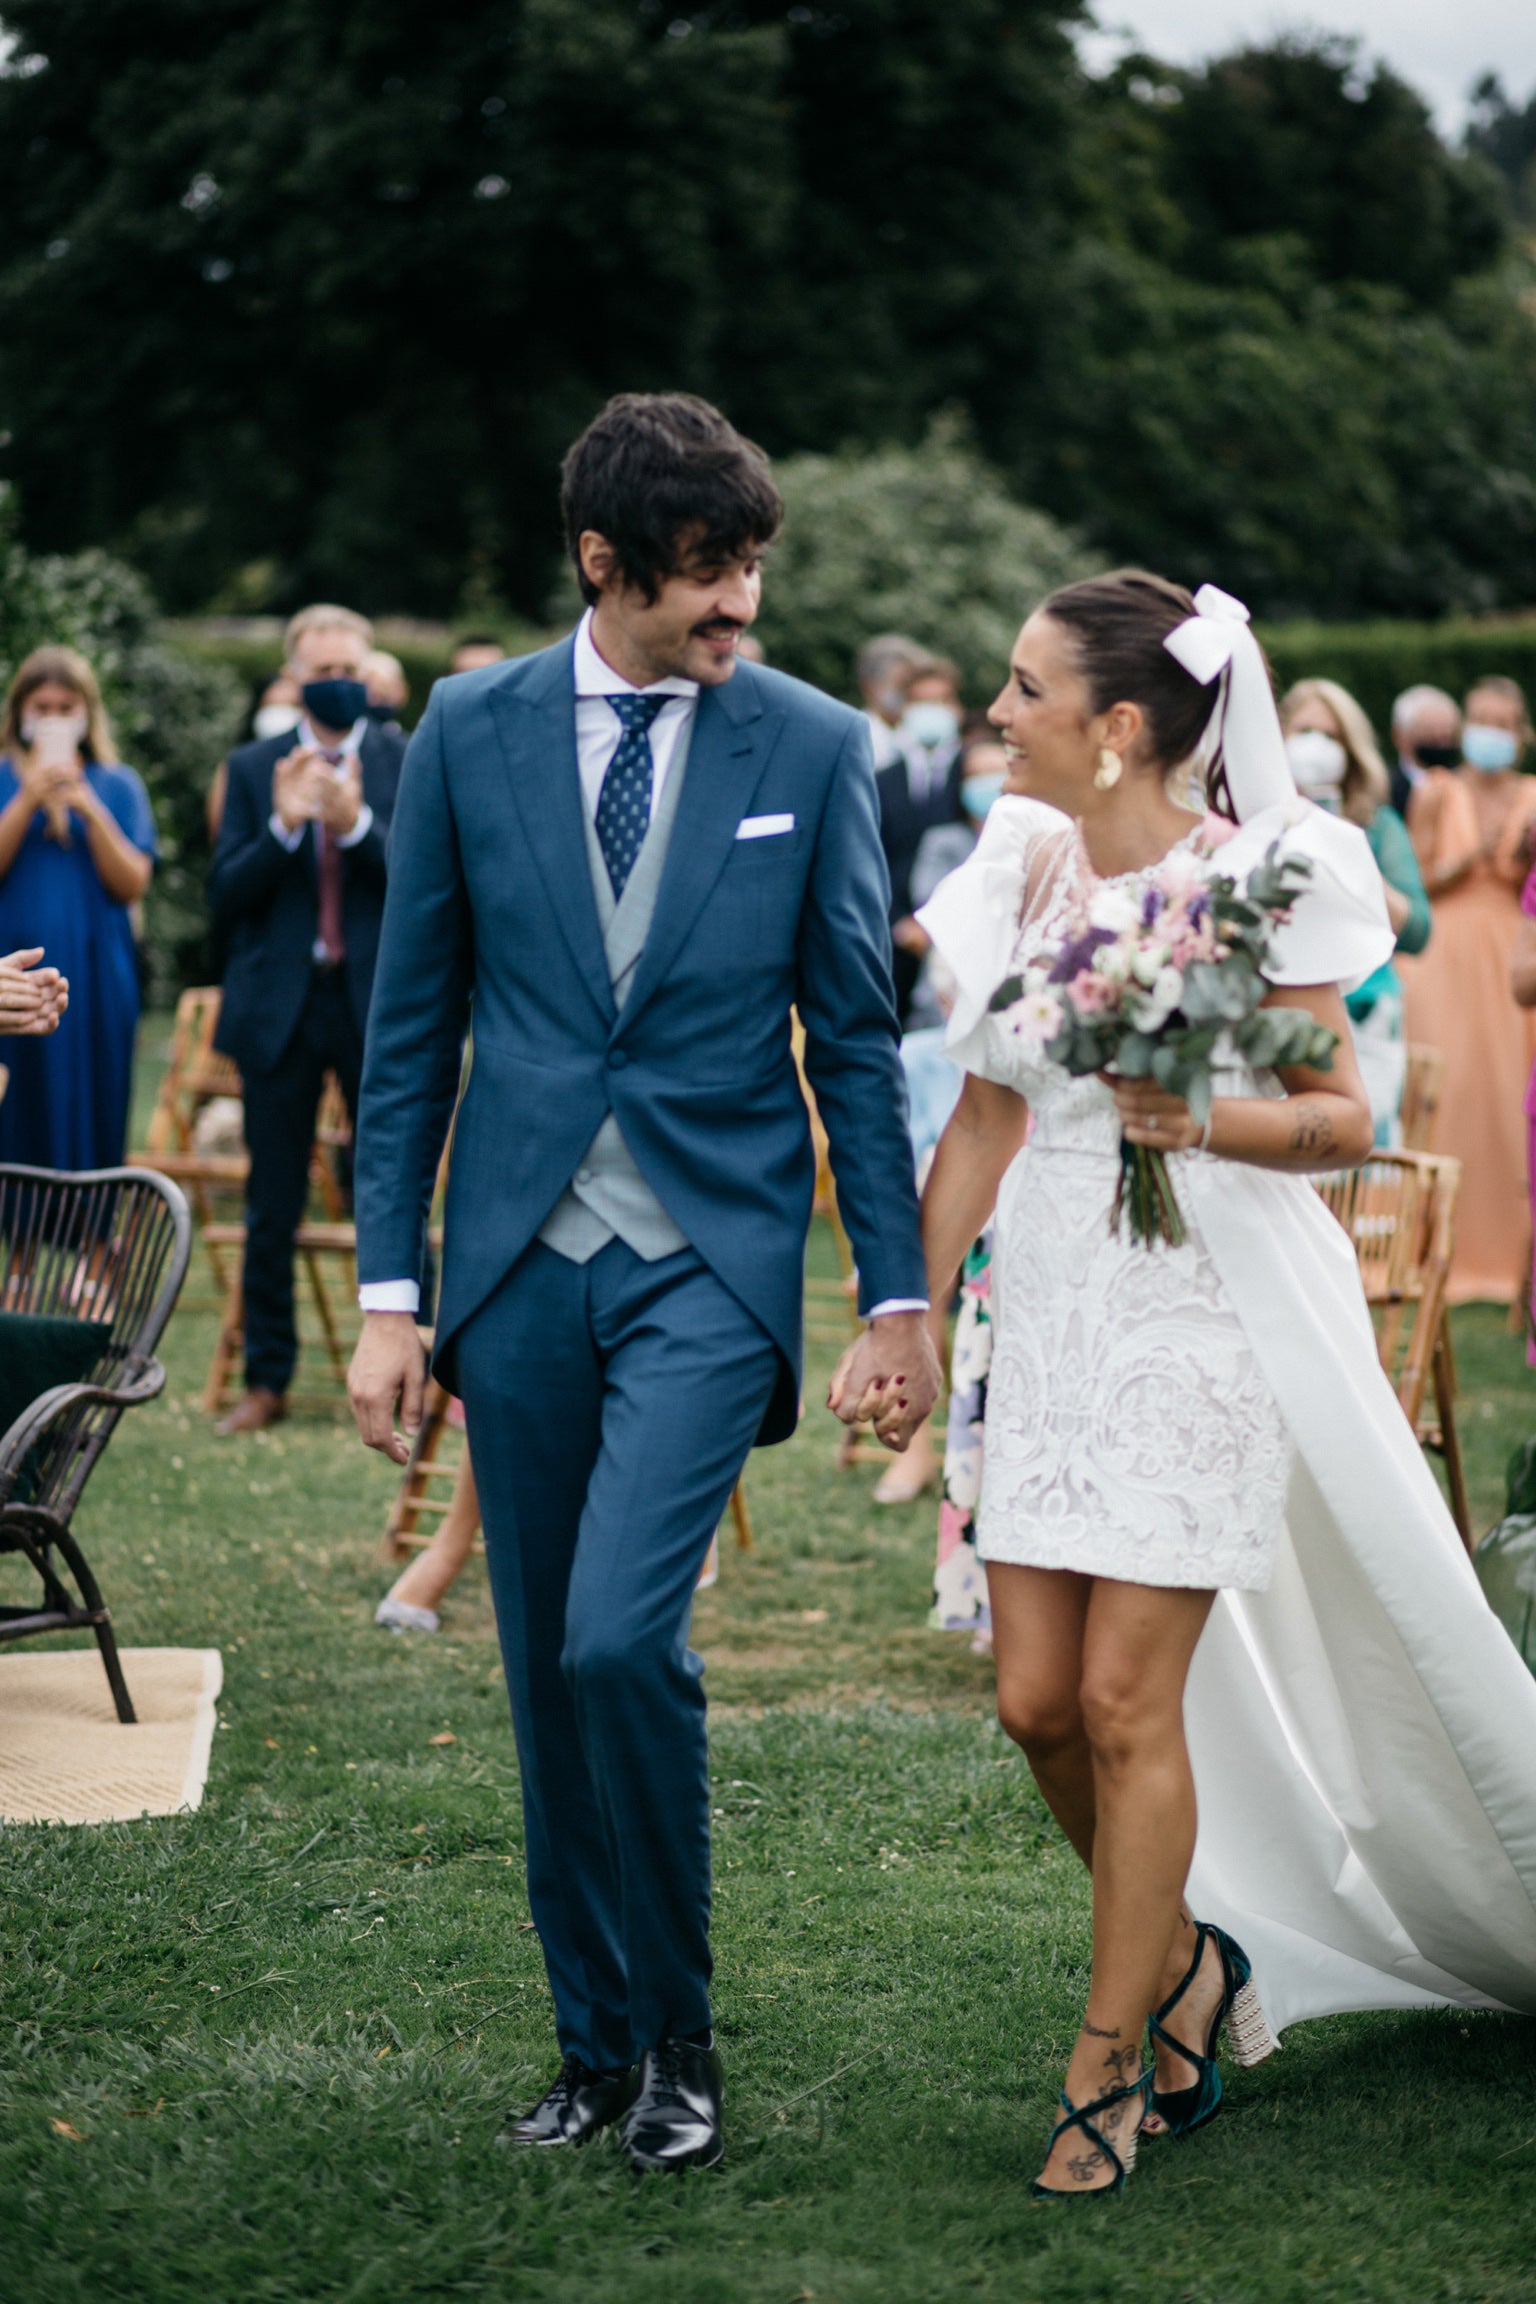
(1338,932)
(973,917)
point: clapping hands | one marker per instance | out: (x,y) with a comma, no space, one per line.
(32,999)
(306,789)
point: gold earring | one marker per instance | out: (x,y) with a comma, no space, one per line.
(1107,774)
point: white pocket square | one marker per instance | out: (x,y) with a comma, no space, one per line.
(763,827)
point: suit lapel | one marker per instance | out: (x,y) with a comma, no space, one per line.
(537,727)
(732,738)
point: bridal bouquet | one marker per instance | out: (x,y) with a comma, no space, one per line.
(1148,981)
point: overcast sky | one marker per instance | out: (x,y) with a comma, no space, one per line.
(1442,46)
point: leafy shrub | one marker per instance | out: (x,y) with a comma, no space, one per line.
(1376,662)
(174,716)
(921,540)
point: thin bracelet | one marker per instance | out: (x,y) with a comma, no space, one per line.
(1204,1144)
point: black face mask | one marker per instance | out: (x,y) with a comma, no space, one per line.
(334,703)
(1437,755)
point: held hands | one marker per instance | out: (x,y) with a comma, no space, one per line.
(1150,1116)
(32,999)
(388,1370)
(891,1377)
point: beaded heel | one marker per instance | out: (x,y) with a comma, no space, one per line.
(1082,2116)
(1183,2110)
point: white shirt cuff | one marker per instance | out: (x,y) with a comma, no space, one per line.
(389,1296)
(282,835)
(899,1304)
(360,829)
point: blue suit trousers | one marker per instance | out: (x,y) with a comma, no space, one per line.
(610,1407)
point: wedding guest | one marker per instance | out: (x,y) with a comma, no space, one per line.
(273,710)
(297,886)
(750,650)
(412,1602)
(1473,829)
(1522,982)
(918,790)
(1335,762)
(77,848)
(933,1090)
(389,691)
(475,651)
(882,669)
(1426,735)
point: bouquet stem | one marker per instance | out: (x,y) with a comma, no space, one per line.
(1144,1198)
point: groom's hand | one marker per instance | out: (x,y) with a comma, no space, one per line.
(890,1377)
(388,1370)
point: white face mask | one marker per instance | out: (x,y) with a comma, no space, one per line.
(931,724)
(275,720)
(1319,764)
(63,727)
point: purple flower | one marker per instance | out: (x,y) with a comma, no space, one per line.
(1077,954)
(1151,904)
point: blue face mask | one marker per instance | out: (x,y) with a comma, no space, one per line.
(334,703)
(1489,748)
(977,794)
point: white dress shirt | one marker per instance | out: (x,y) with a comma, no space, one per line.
(598,731)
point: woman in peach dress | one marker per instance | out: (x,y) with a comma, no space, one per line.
(1473,830)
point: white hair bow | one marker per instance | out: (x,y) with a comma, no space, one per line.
(1218,640)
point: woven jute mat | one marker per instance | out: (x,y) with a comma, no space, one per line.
(66,1758)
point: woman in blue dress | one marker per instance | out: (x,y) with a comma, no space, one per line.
(77,848)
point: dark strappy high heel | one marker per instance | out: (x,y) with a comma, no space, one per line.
(1082,2116)
(1183,2110)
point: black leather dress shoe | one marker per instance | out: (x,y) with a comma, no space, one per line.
(575,2107)
(674,2121)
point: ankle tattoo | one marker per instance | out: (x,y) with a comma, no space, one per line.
(1097,2031)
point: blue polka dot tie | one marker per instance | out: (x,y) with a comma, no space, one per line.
(624,804)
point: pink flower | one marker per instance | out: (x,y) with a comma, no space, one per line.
(1089,994)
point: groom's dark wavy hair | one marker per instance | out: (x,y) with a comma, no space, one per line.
(667,479)
(1118,625)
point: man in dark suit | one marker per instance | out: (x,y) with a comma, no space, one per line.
(918,788)
(297,892)
(635,854)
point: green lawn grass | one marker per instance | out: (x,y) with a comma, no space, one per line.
(284,2030)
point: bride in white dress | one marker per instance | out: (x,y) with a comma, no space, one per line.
(1221,1574)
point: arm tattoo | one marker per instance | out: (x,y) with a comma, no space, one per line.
(1313,1130)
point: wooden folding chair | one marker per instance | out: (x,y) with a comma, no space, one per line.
(1399,1211)
(1422,1085)
(195,1075)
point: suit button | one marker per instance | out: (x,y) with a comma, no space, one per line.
(617,1059)
(583,1175)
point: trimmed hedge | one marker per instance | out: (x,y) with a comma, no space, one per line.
(1376,662)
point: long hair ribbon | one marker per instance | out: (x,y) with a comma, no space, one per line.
(1217,643)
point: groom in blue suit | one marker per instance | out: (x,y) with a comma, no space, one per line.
(631,855)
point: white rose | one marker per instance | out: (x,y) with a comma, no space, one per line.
(1113,961)
(1115,909)
(1149,963)
(1161,1000)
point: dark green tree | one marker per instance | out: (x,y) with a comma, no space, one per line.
(330,287)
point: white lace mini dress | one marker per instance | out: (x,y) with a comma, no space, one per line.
(1130,1432)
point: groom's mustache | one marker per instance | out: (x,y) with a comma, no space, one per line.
(719,627)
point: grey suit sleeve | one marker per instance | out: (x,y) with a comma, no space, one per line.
(417,1019)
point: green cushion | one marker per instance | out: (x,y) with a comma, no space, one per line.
(37,1351)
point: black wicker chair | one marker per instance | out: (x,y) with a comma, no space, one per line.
(108,1246)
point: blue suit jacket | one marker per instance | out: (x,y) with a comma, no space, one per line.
(265,900)
(490,898)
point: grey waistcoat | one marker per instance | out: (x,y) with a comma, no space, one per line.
(608,1197)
